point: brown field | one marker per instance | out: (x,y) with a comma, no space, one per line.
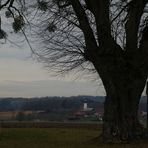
(12,114)
(7,114)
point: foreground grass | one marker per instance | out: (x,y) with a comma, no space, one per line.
(56,138)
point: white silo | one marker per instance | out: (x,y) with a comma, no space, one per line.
(85,106)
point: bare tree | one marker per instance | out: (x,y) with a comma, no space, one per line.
(109,37)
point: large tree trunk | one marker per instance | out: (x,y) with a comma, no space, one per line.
(121,116)
(124,86)
(122,72)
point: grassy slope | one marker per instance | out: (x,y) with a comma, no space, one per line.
(55,138)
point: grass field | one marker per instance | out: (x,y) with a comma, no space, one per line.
(56,138)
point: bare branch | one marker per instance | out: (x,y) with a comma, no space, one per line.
(90,41)
(6,3)
(134,16)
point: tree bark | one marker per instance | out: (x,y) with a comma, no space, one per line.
(124,85)
(121,116)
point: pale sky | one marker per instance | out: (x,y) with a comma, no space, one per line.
(20,76)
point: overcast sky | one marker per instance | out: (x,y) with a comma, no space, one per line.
(20,76)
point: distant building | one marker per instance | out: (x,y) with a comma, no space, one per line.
(87,112)
(86,108)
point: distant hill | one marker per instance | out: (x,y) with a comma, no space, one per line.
(48,103)
(55,104)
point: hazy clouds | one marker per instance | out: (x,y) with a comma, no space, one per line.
(47,88)
(20,76)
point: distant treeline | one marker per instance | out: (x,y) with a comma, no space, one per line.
(55,104)
(49,104)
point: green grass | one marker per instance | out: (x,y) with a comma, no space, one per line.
(56,138)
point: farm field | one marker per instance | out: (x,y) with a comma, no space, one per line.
(61,137)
